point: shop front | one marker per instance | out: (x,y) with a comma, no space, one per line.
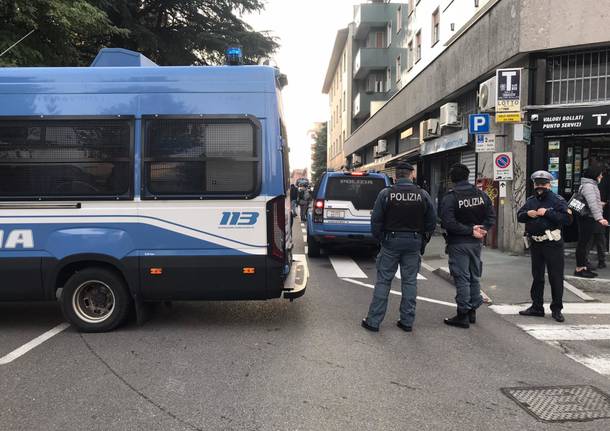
(439,155)
(569,140)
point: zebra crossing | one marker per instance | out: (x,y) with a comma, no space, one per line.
(584,341)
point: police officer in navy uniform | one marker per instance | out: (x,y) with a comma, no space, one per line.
(403,220)
(467,214)
(544,214)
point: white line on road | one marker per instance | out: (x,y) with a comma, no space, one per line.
(576,291)
(393,292)
(568,332)
(419,276)
(427,267)
(17,353)
(569,308)
(345,267)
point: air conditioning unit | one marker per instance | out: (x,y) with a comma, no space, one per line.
(429,129)
(381,148)
(356,160)
(449,115)
(487,95)
(375,153)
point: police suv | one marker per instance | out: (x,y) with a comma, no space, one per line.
(341,213)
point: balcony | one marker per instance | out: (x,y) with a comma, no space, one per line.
(368,59)
(371,15)
(363,101)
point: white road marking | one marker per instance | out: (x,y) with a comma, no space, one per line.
(17,353)
(345,267)
(568,308)
(419,276)
(576,291)
(427,267)
(599,364)
(393,292)
(568,332)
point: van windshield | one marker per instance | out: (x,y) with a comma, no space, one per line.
(361,191)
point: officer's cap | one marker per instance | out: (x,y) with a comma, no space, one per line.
(542,177)
(404,166)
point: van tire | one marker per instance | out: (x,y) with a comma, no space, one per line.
(313,247)
(95,300)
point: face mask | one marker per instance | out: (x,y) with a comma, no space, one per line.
(541,191)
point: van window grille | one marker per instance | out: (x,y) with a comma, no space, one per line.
(76,158)
(197,157)
(578,77)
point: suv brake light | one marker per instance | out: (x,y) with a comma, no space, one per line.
(318,211)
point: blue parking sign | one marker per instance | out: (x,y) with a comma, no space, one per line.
(478,123)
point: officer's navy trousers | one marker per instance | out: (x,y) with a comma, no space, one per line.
(466,267)
(400,248)
(547,255)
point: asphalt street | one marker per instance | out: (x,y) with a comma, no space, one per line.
(276,365)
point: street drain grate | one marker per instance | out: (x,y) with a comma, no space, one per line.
(562,403)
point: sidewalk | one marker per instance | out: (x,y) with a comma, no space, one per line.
(507,278)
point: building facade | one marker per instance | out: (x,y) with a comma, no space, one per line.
(364,71)
(454,49)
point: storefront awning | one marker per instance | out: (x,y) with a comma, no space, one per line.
(445,143)
(388,161)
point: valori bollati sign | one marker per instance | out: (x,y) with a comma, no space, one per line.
(558,119)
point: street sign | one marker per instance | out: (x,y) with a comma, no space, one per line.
(508,117)
(478,123)
(502,187)
(486,143)
(508,94)
(503,166)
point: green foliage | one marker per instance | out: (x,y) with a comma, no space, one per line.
(169,32)
(318,153)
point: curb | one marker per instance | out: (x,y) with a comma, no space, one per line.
(597,285)
(443,272)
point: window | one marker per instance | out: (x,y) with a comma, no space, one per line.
(578,77)
(389,38)
(375,83)
(285,155)
(55,159)
(198,157)
(388,78)
(436,26)
(344,97)
(418,48)
(377,39)
(398,68)
(362,192)
(411,54)
(411,7)
(399,19)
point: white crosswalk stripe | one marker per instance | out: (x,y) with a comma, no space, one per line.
(568,332)
(345,267)
(419,276)
(568,308)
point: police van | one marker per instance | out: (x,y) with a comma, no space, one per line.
(126,183)
(341,210)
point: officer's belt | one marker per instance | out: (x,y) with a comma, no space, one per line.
(549,235)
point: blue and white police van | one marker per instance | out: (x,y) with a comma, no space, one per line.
(126,183)
(341,210)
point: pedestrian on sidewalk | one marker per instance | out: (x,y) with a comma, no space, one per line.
(304,200)
(467,214)
(294,194)
(598,240)
(591,224)
(544,214)
(403,221)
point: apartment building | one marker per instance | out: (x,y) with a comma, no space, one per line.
(364,70)
(454,49)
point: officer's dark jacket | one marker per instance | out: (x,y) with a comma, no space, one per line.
(464,207)
(379,217)
(555,218)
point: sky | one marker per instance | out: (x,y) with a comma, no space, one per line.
(307,30)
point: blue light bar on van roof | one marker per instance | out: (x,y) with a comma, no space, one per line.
(234,56)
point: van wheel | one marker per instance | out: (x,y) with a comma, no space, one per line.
(313,247)
(95,300)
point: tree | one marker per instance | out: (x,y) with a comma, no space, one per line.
(169,32)
(67,32)
(187,32)
(318,152)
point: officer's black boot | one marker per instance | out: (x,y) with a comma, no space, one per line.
(472,316)
(460,321)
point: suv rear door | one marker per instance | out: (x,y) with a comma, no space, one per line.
(349,201)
